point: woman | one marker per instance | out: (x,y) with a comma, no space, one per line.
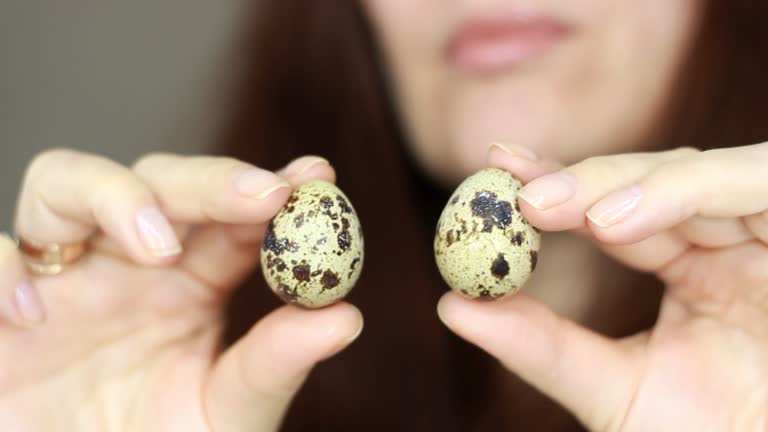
(130,333)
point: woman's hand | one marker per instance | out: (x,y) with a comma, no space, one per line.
(698,220)
(127,339)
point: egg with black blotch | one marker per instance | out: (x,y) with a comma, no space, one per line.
(312,252)
(483,246)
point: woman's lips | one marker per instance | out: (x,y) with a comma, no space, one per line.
(493,44)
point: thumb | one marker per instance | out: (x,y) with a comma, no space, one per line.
(253,382)
(588,374)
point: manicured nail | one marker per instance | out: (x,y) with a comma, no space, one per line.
(615,207)
(313,163)
(28,304)
(517,150)
(355,335)
(348,340)
(156,232)
(258,183)
(441,315)
(549,190)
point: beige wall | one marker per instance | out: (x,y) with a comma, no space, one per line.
(120,78)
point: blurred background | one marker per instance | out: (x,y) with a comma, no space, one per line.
(64,79)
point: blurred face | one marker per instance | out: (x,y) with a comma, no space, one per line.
(569,79)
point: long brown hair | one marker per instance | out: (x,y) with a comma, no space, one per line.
(313,84)
(721,99)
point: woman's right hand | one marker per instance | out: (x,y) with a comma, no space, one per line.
(697,221)
(127,339)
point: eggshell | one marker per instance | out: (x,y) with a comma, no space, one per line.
(483,246)
(312,253)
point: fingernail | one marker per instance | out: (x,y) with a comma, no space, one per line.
(615,207)
(549,190)
(28,303)
(517,150)
(346,341)
(313,163)
(156,232)
(355,335)
(441,315)
(258,183)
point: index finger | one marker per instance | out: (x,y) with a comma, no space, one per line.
(67,195)
(202,189)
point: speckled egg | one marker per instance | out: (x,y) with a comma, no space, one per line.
(312,253)
(483,246)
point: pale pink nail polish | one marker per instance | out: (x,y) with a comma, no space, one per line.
(156,232)
(258,183)
(346,341)
(517,150)
(549,190)
(313,163)
(441,314)
(28,304)
(615,207)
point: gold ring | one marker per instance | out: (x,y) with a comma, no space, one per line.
(50,258)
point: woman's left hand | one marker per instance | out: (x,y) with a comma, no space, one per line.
(696,219)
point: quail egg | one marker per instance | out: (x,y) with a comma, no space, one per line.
(312,253)
(483,246)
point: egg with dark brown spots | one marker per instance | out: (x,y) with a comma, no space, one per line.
(483,246)
(312,253)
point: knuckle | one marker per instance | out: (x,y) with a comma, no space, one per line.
(41,162)
(685,151)
(101,177)
(117,192)
(602,166)
(688,168)
(621,165)
(9,254)
(215,168)
(117,183)
(595,160)
(207,169)
(6,243)
(149,160)
(224,165)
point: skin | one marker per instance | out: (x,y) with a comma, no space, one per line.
(680,214)
(586,92)
(703,365)
(130,333)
